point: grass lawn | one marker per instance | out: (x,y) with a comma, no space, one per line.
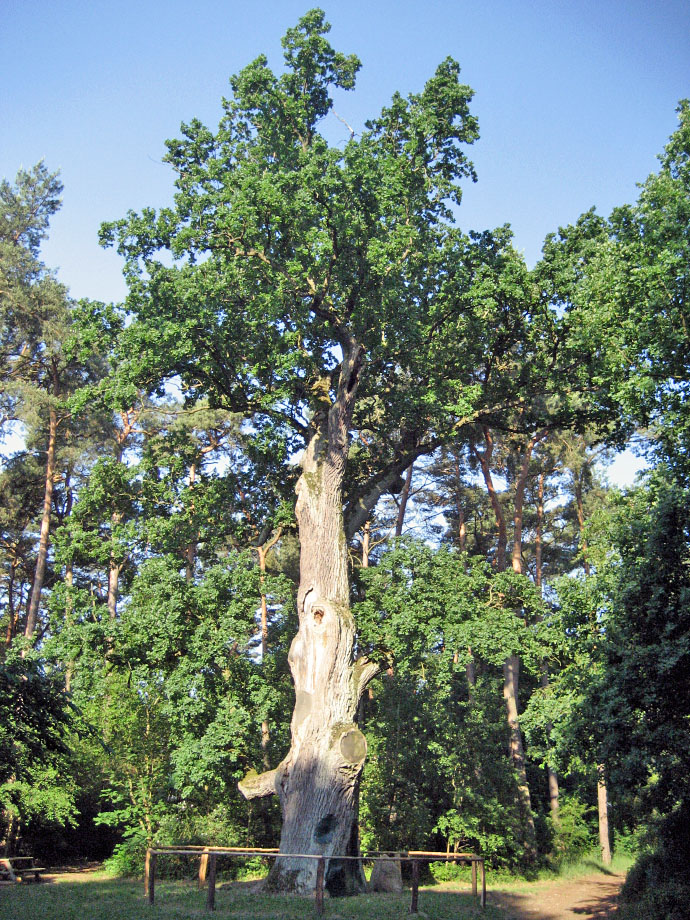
(97,896)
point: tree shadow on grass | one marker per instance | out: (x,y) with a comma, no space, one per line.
(593,899)
(95,896)
(515,906)
(598,908)
(597,867)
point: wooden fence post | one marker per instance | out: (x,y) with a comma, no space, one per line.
(203,868)
(211,893)
(474,877)
(320,872)
(150,876)
(415,886)
(483,899)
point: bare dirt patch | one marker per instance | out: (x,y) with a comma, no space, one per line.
(592,897)
(81,873)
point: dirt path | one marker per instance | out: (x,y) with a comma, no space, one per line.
(590,898)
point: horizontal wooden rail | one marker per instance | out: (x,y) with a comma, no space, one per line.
(439,854)
(209,856)
(201,848)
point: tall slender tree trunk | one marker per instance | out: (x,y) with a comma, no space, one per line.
(484,458)
(462,530)
(519,503)
(471,674)
(603,808)
(262,552)
(462,525)
(114,569)
(366,543)
(191,548)
(404,499)
(511,667)
(511,681)
(317,780)
(602,790)
(580,509)
(12,615)
(552,776)
(539,538)
(44,538)
(554,792)
(69,582)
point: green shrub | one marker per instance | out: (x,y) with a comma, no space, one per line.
(448,871)
(574,835)
(128,857)
(658,885)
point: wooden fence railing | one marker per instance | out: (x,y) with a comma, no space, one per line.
(209,855)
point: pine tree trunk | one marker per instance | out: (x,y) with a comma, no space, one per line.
(366,541)
(603,805)
(579,505)
(262,552)
(191,548)
(69,602)
(511,678)
(404,499)
(462,530)
(511,667)
(519,503)
(114,569)
(317,780)
(265,729)
(484,459)
(12,615)
(554,792)
(602,791)
(44,538)
(462,526)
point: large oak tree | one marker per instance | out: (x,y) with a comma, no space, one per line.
(324,291)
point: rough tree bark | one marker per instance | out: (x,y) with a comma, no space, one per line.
(554,792)
(602,789)
(262,551)
(317,780)
(191,548)
(603,807)
(484,458)
(519,503)
(114,569)
(511,667)
(366,541)
(404,499)
(12,614)
(44,539)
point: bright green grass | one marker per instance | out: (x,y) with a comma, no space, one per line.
(590,865)
(102,897)
(587,865)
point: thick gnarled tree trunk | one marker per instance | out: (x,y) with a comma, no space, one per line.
(317,780)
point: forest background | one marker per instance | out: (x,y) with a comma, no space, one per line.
(150,558)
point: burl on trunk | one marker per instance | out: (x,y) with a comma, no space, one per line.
(317,780)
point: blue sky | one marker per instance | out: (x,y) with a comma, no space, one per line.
(574,99)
